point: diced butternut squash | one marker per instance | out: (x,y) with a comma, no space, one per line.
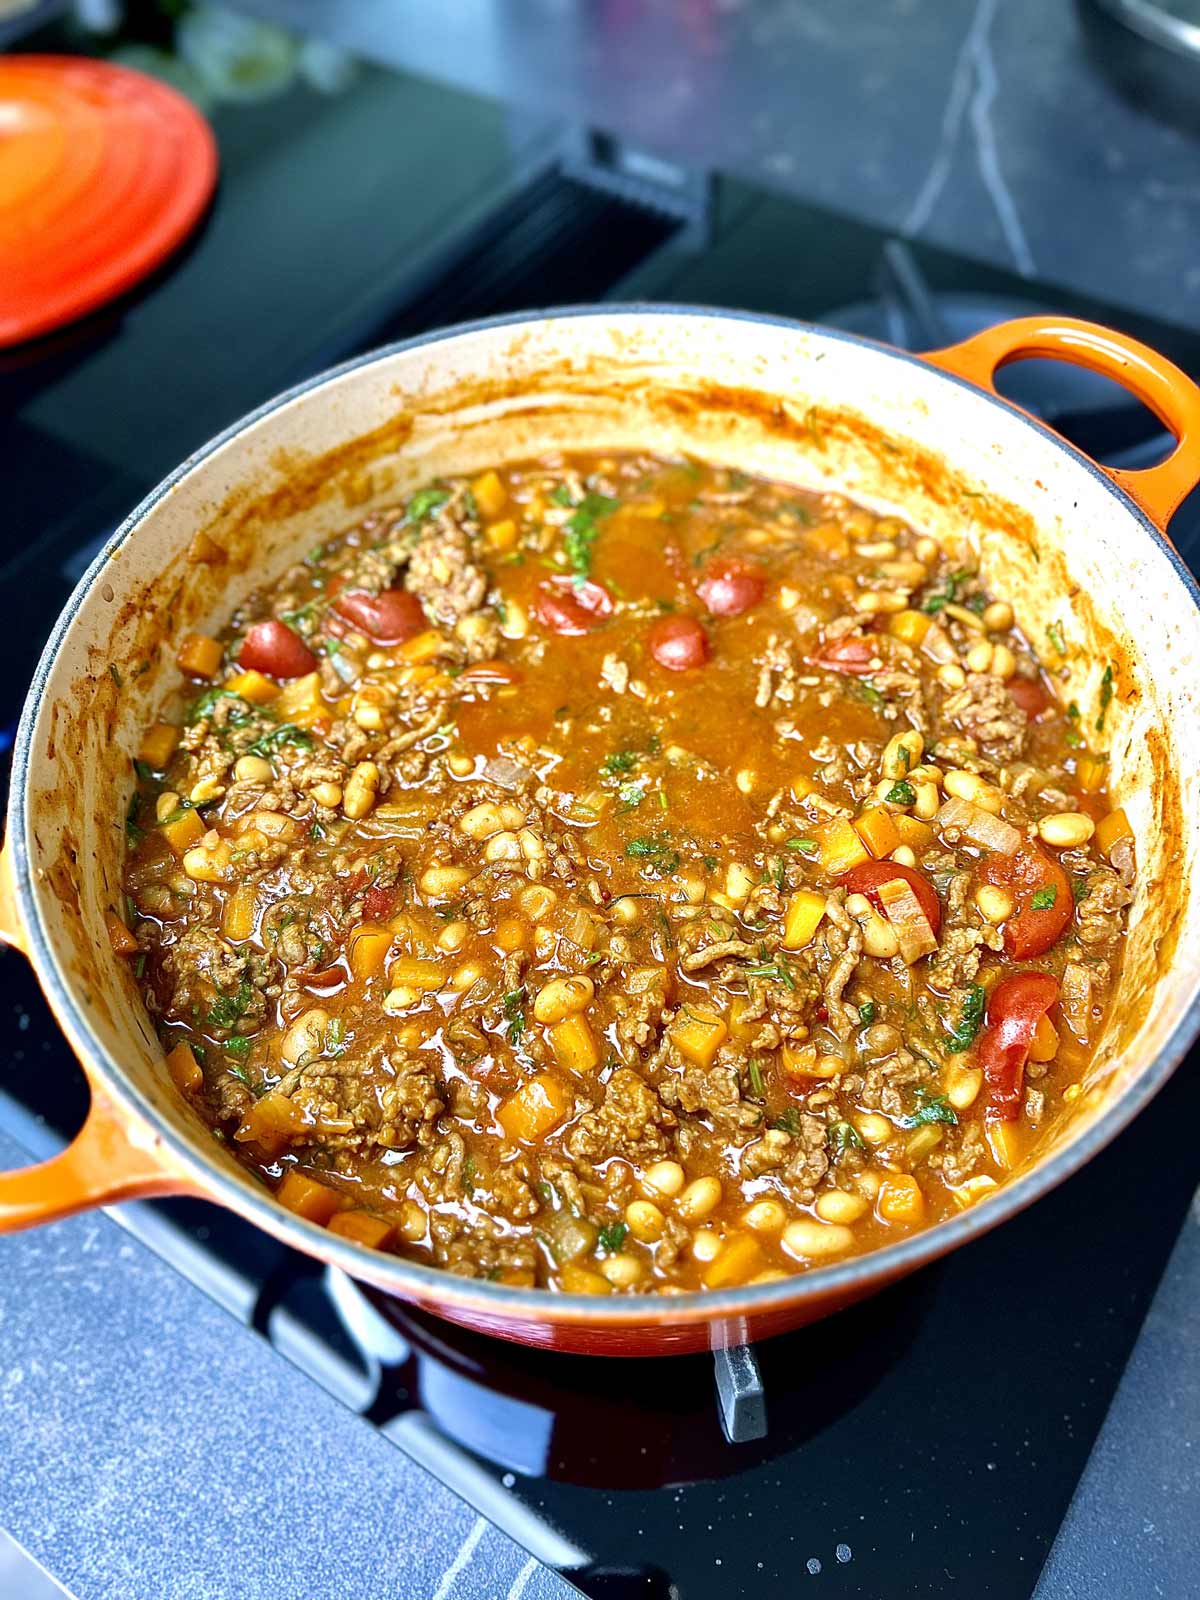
(369,946)
(185,1069)
(307,1198)
(698,1034)
(574,1044)
(799,1060)
(502,535)
(1111,829)
(840,848)
(901,1199)
(423,646)
(1044,1045)
(1090,772)
(237,918)
(255,687)
(574,1279)
(877,830)
(158,745)
(119,936)
(737,1263)
(490,494)
(802,787)
(802,919)
(272,1122)
(518,1278)
(917,835)
(739,1027)
(531,1111)
(828,539)
(184,833)
(300,702)
(911,626)
(364,1228)
(200,656)
(416,972)
(1004,1143)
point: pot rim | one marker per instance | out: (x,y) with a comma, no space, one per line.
(504,1304)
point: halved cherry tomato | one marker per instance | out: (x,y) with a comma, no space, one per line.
(730,586)
(572,608)
(1015,1007)
(1030,876)
(852,654)
(678,643)
(273,648)
(1030,694)
(387,618)
(867,878)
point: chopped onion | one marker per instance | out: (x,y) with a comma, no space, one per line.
(979,826)
(938,647)
(907,920)
(506,773)
(1075,998)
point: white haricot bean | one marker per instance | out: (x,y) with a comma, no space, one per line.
(926,804)
(700,1199)
(961,614)
(361,790)
(252,769)
(815,1241)
(461,765)
(327,794)
(951,675)
(901,754)
(537,901)
(879,939)
(738,882)
(562,997)
(488,818)
(1004,663)
(438,883)
(998,617)
(644,1220)
(622,1270)
(167,802)
(1066,830)
(745,781)
(962,1086)
(664,1178)
(502,847)
(979,656)
(835,1205)
(453,936)
(765,1216)
(874,1128)
(996,904)
(926,549)
(208,862)
(706,1245)
(305,1036)
(970,786)
(906,856)
(874,601)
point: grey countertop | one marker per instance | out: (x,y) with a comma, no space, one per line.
(985,126)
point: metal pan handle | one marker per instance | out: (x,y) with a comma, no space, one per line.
(1158,383)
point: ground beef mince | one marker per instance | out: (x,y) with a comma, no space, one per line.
(622,874)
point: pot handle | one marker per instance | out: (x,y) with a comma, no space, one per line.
(1157,383)
(106,1162)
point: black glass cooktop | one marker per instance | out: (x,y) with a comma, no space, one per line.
(925,1444)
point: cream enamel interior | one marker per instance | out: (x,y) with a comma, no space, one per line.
(789,402)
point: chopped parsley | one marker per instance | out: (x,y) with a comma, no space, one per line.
(1043,899)
(335,1037)
(180,811)
(619,761)
(612,1236)
(1080,888)
(1055,635)
(580,531)
(949,595)
(425,502)
(228,1008)
(788,1121)
(631,796)
(1106,694)
(778,971)
(970,1020)
(866,1013)
(203,706)
(901,794)
(286,734)
(514,1011)
(240,1045)
(843,1136)
(655,850)
(754,1073)
(931,1108)
(806,847)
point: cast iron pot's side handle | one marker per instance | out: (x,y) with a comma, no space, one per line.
(112,1157)
(1157,383)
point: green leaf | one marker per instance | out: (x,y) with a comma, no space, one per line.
(514,1011)
(806,847)
(843,1136)
(240,1045)
(866,1013)
(619,761)
(114,673)
(754,1073)
(286,734)
(1106,694)
(612,1236)
(948,595)
(133,833)
(1044,899)
(901,794)
(180,811)
(581,531)
(425,502)
(1055,635)
(970,1021)
(778,971)
(931,1108)
(655,850)
(788,1121)
(1080,888)
(228,1008)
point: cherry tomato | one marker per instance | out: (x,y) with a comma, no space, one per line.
(273,648)
(1030,694)
(379,904)
(1015,1007)
(572,608)
(730,587)
(852,654)
(867,878)
(1030,876)
(678,643)
(387,618)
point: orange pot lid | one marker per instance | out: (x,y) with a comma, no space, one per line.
(103,171)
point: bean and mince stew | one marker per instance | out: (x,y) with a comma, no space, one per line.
(619,874)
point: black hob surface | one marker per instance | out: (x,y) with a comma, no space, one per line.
(925,1444)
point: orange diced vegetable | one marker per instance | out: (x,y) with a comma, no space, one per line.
(369,946)
(255,687)
(364,1228)
(307,1198)
(916,834)
(158,745)
(1002,1141)
(802,787)
(828,539)
(185,1069)
(502,535)
(1111,829)
(802,918)
(697,1034)
(1044,1046)
(877,830)
(1090,772)
(739,1028)
(574,1044)
(737,1263)
(237,918)
(423,646)
(840,847)
(799,1060)
(518,1278)
(273,1122)
(911,626)
(490,494)
(531,1111)
(901,1199)
(299,701)
(575,1279)
(119,936)
(199,656)
(416,972)
(184,833)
